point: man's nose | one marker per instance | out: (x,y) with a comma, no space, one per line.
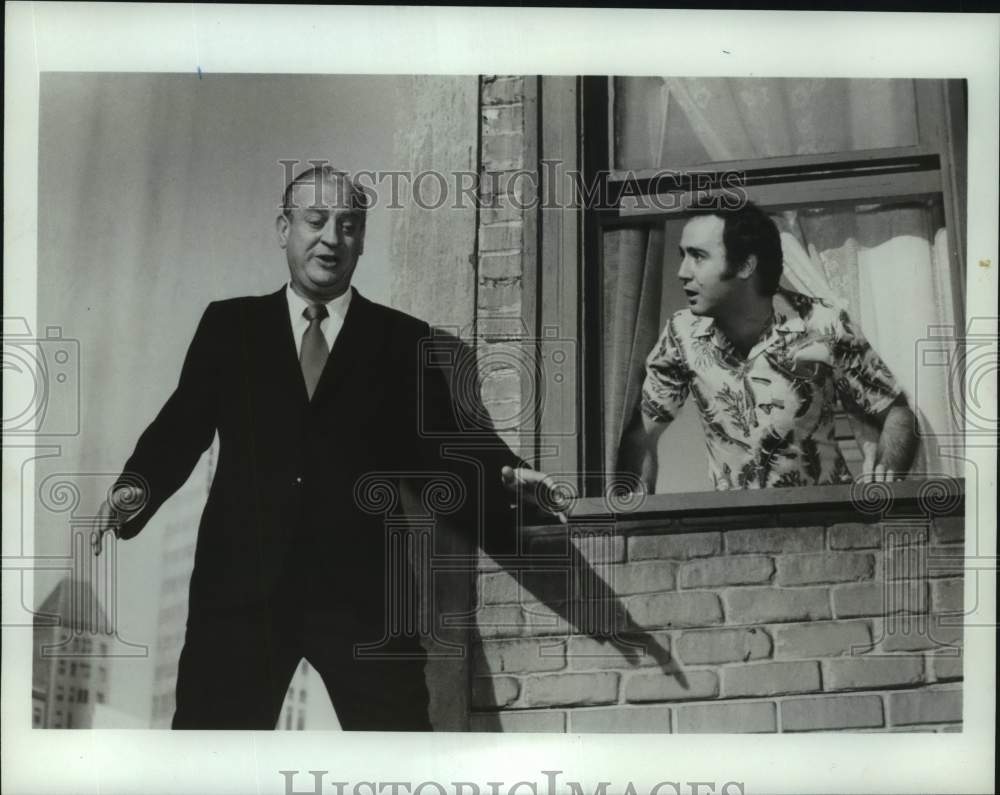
(330,234)
(684,272)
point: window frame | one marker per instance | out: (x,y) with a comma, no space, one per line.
(562,278)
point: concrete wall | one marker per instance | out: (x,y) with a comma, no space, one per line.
(434,278)
(460,268)
(433,250)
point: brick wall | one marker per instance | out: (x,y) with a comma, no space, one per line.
(822,627)
(501,247)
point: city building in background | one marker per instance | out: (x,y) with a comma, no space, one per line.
(177,523)
(70,678)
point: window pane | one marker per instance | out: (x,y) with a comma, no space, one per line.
(673,122)
(640,294)
(869,258)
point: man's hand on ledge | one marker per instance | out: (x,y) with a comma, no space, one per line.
(536,489)
(123,503)
(888,442)
(873,470)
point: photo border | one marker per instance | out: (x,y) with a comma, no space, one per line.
(265,40)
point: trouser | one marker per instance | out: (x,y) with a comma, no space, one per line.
(235,670)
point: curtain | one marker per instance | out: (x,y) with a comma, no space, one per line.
(633,274)
(662,122)
(885,262)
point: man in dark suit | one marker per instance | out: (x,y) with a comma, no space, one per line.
(310,389)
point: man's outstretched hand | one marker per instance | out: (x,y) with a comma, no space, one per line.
(537,489)
(120,506)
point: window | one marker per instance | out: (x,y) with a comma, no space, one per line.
(859,176)
(672,122)
(99,697)
(83,696)
(301,722)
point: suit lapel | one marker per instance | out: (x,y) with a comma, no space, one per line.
(357,345)
(275,349)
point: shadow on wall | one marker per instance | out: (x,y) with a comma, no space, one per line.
(544,573)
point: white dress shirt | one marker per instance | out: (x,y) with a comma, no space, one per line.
(330,325)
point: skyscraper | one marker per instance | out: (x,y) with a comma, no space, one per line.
(71,644)
(177,522)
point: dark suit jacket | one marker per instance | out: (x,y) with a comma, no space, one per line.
(283,521)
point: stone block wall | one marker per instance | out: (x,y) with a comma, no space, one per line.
(829,626)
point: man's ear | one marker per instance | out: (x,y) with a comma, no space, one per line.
(748,268)
(281,224)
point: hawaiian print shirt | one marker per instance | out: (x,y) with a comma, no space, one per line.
(769,417)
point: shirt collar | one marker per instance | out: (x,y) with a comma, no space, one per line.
(787,321)
(336,306)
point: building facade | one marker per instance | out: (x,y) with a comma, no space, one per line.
(70,663)
(824,608)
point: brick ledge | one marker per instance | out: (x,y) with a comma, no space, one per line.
(929,497)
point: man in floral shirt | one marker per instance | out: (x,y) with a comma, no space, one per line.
(765,367)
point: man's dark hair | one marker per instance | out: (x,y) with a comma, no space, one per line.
(747,230)
(316,176)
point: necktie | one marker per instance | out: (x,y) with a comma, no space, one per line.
(314,352)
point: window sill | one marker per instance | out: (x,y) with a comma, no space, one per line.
(859,502)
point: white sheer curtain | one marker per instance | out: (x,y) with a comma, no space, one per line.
(663,122)
(633,273)
(884,263)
